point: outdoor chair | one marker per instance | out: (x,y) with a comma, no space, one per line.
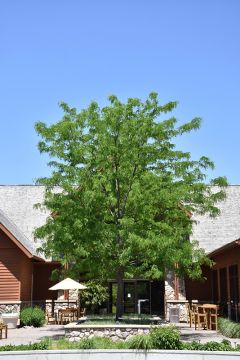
(213,316)
(191,314)
(3,327)
(50,319)
(82,312)
(200,318)
(74,311)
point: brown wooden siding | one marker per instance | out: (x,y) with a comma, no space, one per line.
(223,279)
(200,290)
(9,282)
(227,257)
(15,271)
(228,288)
(25,277)
(42,281)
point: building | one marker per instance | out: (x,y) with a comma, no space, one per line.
(220,238)
(25,274)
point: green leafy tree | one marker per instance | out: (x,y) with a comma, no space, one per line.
(95,295)
(121,194)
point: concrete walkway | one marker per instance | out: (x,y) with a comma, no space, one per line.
(31,335)
(190,334)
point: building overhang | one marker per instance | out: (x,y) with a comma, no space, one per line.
(230,245)
(19,244)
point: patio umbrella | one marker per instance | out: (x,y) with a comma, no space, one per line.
(69,284)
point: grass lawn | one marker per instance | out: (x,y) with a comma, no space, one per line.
(109,319)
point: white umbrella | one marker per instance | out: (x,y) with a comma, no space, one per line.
(68,284)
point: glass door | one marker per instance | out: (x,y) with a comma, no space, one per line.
(129,297)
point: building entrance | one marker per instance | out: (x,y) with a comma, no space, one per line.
(140,296)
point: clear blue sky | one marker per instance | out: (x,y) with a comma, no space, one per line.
(83,50)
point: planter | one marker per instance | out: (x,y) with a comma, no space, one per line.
(10,319)
(118,355)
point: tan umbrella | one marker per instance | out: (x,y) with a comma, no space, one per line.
(68,284)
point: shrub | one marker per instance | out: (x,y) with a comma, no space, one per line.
(224,345)
(42,345)
(217,346)
(95,295)
(86,344)
(165,337)
(193,345)
(32,317)
(229,328)
(143,342)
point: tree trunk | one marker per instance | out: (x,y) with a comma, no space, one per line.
(120,294)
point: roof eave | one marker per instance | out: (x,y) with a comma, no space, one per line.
(17,242)
(230,245)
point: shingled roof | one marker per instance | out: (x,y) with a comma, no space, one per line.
(7,225)
(213,233)
(17,205)
(17,210)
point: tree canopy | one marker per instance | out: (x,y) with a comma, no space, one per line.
(121,194)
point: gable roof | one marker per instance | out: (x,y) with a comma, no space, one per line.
(17,204)
(231,245)
(12,231)
(213,233)
(18,212)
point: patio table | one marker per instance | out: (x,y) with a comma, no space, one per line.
(68,314)
(208,313)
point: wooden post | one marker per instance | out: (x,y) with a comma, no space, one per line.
(228,294)
(176,285)
(218,285)
(66,292)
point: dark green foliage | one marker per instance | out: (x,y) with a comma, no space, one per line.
(95,295)
(32,317)
(165,337)
(42,345)
(217,346)
(229,328)
(224,345)
(127,192)
(193,345)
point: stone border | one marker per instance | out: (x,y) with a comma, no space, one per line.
(75,332)
(10,307)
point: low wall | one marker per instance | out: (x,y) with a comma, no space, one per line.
(115,332)
(118,355)
(181,305)
(9,307)
(50,305)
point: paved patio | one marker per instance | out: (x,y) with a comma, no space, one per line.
(190,334)
(26,335)
(30,335)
